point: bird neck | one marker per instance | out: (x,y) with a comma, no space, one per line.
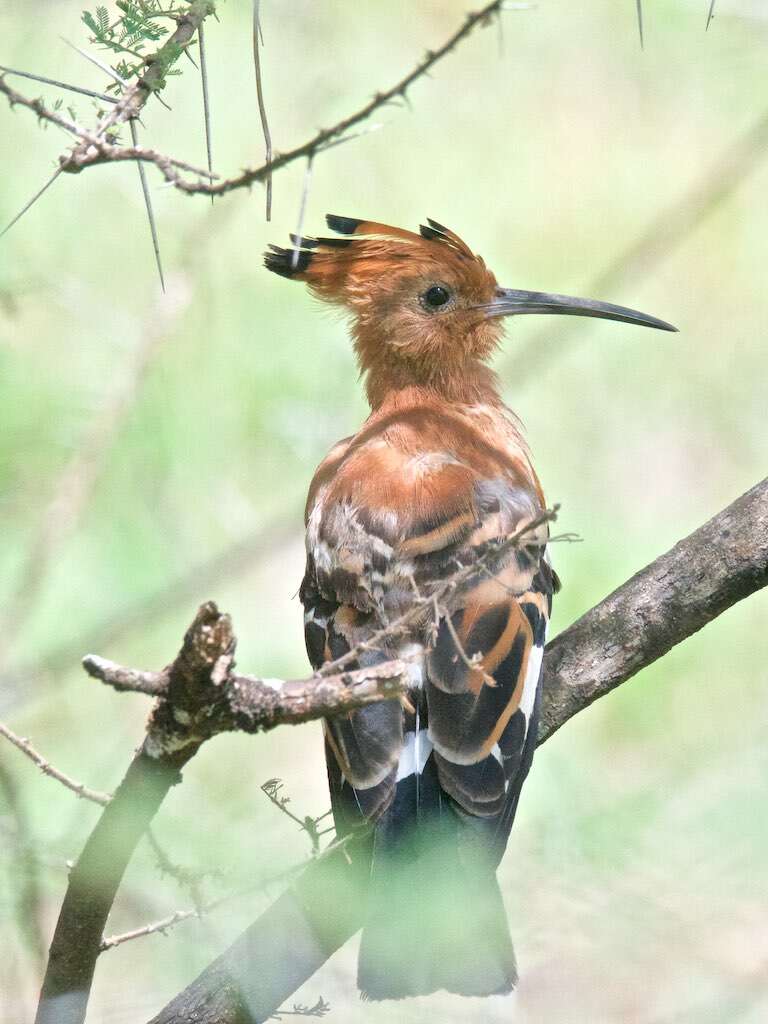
(471,383)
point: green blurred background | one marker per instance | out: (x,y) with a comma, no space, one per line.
(155,450)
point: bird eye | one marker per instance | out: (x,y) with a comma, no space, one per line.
(436,296)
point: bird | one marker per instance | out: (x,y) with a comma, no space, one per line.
(436,481)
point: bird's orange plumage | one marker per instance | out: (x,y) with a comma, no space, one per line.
(438,472)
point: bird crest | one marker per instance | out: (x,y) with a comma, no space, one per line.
(325,262)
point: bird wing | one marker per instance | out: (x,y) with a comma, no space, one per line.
(387,519)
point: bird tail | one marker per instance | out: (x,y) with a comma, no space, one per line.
(436,917)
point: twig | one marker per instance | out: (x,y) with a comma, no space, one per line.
(249,703)
(272,789)
(262,106)
(28,206)
(22,744)
(161,926)
(206,103)
(128,680)
(148,205)
(178,916)
(439,592)
(473,663)
(45,114)
(320,1008)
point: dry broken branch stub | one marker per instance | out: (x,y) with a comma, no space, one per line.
(244,703)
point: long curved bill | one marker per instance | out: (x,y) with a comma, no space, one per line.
(513,302)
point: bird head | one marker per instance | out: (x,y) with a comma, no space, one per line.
(425,309)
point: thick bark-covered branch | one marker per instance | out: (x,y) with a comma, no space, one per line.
(723,562)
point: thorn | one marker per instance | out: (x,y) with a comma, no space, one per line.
(302,210)
(639,4)
(710,15)
(31,202)
(161,100)
(148,204)
(257,34)
(206,104)
(59,85)
(95,60)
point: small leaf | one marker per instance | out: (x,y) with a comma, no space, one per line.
(103,16)
(90,22)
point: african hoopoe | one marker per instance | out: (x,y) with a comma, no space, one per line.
(438,471)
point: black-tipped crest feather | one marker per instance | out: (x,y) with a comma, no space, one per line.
(344,225)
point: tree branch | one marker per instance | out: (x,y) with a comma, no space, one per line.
(97,149)
(723,562)
(48,769)
(250,704)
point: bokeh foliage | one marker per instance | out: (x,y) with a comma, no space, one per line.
(637,878)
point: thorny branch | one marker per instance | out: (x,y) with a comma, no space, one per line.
(272,789)
(94,142)
(133,99)
(23,744)
(97,149)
